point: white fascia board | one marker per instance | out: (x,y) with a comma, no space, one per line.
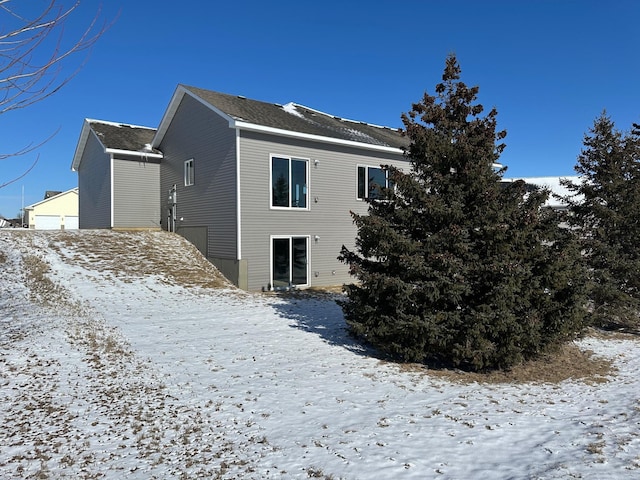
(117,151)
(316,138)
(168,116)
(82,142)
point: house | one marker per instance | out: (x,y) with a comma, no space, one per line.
(118,176)
(263,190)
(554,184)
(51,193)
(57,211)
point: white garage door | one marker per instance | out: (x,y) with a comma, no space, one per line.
(47,222)
(70,223)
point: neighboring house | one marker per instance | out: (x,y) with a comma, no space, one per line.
(55,212)
(554,184)
(118,176)
(263,190)
(51,193)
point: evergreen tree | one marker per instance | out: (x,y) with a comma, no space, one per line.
(280,192)
(605,207)
(453,266)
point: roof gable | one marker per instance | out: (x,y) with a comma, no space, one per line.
(116,138)
(290,119)
(73,191)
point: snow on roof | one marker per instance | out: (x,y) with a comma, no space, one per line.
(291,108)
(554,184)
(117,124)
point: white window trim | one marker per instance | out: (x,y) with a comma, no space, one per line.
(191,177)
(307,180)
(290,237)
(358,166)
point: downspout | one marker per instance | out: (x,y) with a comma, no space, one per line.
(238,206)
(111,173)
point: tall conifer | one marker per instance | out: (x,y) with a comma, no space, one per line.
(452,265)
(605,207)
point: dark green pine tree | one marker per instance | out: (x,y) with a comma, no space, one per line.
(452,265)
(605,207)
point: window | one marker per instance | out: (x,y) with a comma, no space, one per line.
(370,181)
(289,182)
(189,173)
(289,266)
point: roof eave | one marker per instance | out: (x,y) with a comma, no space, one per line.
(137,153)
(317,138)
(82,143)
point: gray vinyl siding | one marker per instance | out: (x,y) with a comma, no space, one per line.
(136,193)
(94,186)
(333,182)
(197,133)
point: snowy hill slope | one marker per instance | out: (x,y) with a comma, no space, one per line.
(125,355)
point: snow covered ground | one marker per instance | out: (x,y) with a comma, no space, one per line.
(123,356)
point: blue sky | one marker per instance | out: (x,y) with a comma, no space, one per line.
(550,67)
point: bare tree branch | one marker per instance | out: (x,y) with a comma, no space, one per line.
(13,180)
(34,57)
(29,148)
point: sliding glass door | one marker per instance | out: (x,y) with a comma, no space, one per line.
(289,261)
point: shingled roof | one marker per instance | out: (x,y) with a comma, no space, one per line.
(122,136)
(292,117)
(288,119)
(117,137)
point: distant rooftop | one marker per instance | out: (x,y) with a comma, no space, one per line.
(51,193)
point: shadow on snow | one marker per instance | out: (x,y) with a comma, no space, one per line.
(322,316)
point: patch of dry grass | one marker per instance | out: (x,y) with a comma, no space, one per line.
(569,362)
(319,293)
(39,282)
(137,254)
(621,334)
